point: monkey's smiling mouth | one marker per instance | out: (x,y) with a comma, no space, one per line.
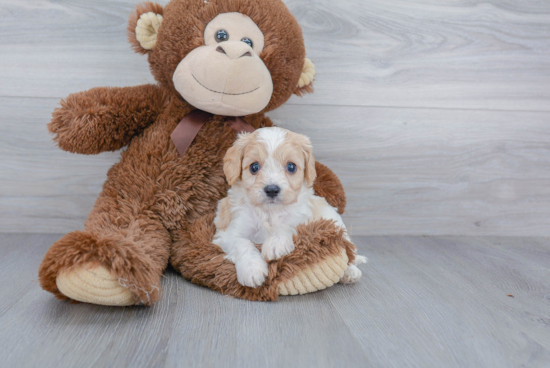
(224,93)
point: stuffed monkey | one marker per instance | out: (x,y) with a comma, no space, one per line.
(220,66)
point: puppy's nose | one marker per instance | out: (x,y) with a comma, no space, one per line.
(272,191)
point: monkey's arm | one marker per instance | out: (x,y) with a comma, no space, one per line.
(328,185)
(105,119)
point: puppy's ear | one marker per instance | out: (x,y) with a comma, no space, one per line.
(232,162)
(143,26)
(309,173)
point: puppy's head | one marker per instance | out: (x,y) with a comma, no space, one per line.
(273,165)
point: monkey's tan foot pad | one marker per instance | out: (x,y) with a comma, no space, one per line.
(94,284)
(316,277)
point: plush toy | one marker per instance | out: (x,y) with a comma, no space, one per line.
(220,66)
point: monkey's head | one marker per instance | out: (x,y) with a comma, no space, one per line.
(227,57)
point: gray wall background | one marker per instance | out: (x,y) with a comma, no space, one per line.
(435,115)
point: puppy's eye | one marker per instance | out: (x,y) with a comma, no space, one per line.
(248,41)
(254,168)
(222,35)
(291,167)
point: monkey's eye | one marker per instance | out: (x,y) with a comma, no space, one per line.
(254,168)
(248,41)
(291,167)
(222,35)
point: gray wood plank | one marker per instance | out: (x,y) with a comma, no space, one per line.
(464,54)
(53,48)
(405,171)
(423,302)
(444,301)
(20,256)
(460,54)
(218,331)
(60,334)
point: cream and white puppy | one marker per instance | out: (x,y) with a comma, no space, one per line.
(271,172)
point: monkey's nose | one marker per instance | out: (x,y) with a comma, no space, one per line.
(234,49)
(272,191)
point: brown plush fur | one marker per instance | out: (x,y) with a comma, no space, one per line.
(300,91)
(154,202)
(85,121)
(329,186)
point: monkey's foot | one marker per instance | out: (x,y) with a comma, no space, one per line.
(94,284)
(316,277)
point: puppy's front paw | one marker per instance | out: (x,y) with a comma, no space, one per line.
(352,274)
(251,272)
(276,247)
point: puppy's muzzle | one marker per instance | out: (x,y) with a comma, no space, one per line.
(272,191)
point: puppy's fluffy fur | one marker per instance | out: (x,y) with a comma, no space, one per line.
(271,172)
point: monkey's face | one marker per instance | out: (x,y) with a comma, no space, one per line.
(227,57)
(226,76)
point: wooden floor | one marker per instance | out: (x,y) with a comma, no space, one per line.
(422,302)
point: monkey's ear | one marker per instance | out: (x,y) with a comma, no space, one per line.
(305,84)
(143,26)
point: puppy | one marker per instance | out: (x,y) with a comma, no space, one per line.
(271,172)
